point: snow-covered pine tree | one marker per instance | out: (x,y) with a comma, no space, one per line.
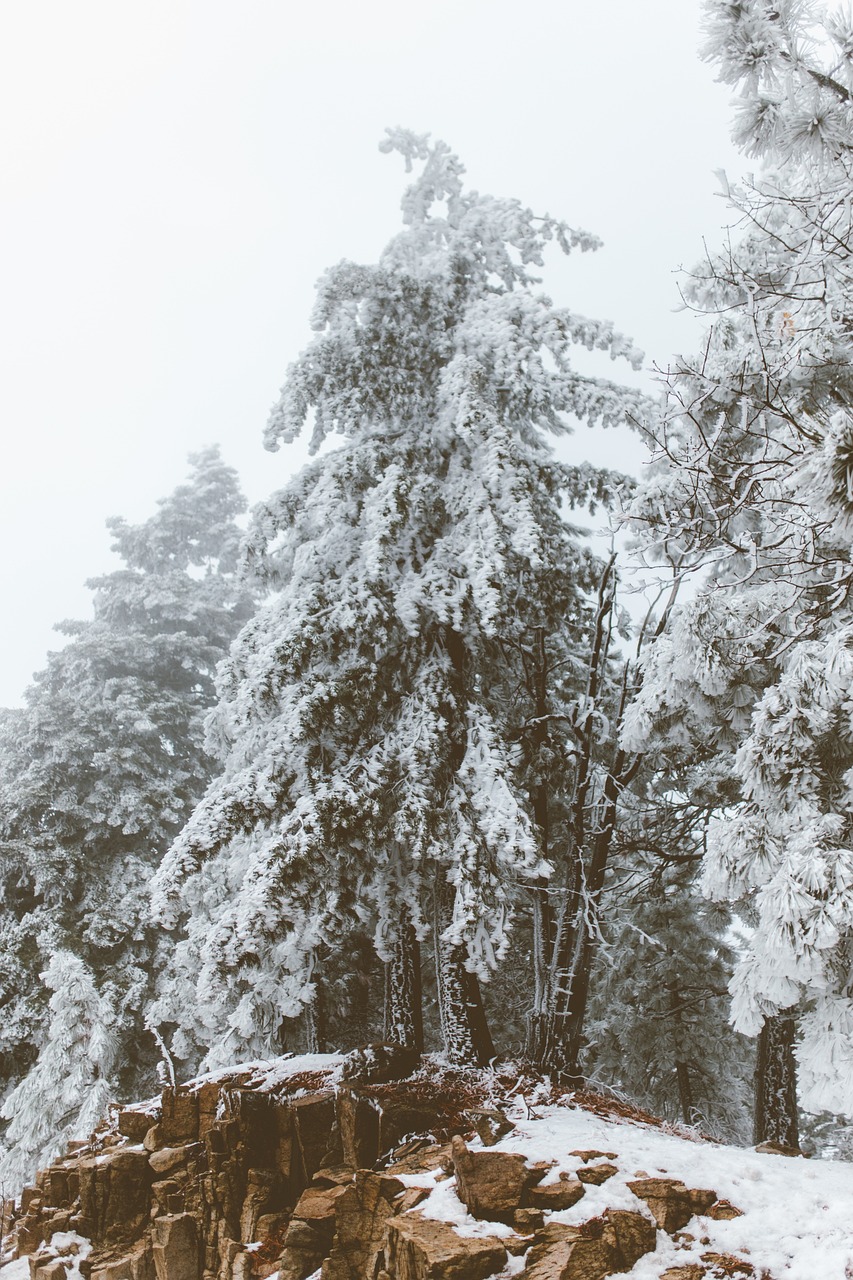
(68,1090)
(101,767)
(370,721)
(757,446)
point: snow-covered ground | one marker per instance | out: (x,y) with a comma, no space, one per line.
(797,1221)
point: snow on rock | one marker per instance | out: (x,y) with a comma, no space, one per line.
(795,1225)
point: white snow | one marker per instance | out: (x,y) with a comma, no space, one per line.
(797,1222)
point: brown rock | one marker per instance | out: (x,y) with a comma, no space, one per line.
(260,1193)
(425,1249)
(272,1225)
(631,1234)
(50,1269)
(153,1138)
(317,1206)
(114,1194)
(410,1199)
(419,1156)
(400,1120)
(358,1127)
(178,1117)
(671,1203)
(701,1200)
(586,1156)
(572,1257)
(162,1190)
(596,1174)
(723,1211)
(175,1247)
(58,1188)
(361,1215)
(556,1195)
(691,1272)
(728,1264)
(304,1251)
(380,1062)
(492,1184)
(528,1220)
(134,1263)
(135,1124)
(490,1124)
(339,1175)
(591,1251)
(777,1149)
(167,1159)
(207,1098)
(313,1117)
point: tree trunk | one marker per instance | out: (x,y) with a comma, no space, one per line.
(543,916)
(685,1092)
(776,1083)
(403,1022)
(464,1029)
(316,1027)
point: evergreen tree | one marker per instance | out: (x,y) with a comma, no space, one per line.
(754,486)
(101,768)
(372,720)
(68,1090)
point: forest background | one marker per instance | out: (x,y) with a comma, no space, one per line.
(439,735)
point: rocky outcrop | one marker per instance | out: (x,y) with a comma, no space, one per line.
(236,1179)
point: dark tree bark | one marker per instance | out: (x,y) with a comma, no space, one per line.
(315,1013)
(464,1028)
(776,1083)
(685,1092)
(403,1022)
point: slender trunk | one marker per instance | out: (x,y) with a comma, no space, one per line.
(543,922)
(776,1083)
(682,1068)
(403,992)
(464,1029)
(685,1092)
(315,1019)
(585,934)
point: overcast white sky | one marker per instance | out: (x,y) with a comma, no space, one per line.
(177,173)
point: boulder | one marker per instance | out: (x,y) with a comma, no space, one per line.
(587,1155)
(631,1234)
(259,1199)
(692,1271)
(491,1124)
(175,1247)
(136,1263)
(134,1124)
(492,1184)
(313,1117)
(526,1221)
(419,1156)
(727,1264)
(425,1249)
(596,1174)
(595,1249)
(362,1212)
(556,1195)
(671,1203)
(380,1063)
(114,1195)
(167,1159)
(777,1149)
(723,1211)
(178,1121)
(358,1128)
